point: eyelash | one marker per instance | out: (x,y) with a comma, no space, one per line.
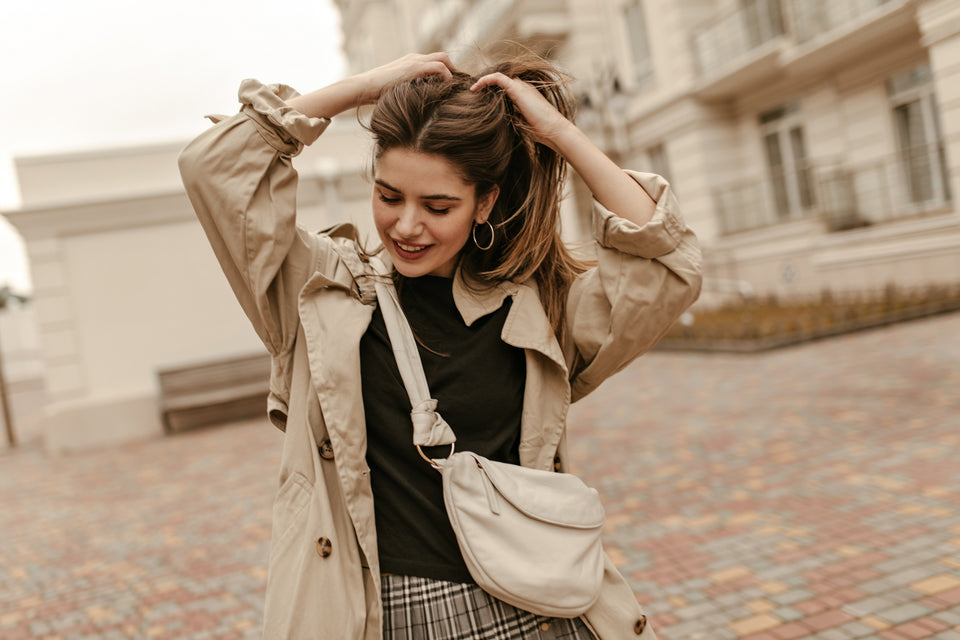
(387,200)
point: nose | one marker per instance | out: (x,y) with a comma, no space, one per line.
(408,222)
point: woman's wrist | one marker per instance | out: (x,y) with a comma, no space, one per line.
(333,99)
(365,88)
(569,140)
(610,185)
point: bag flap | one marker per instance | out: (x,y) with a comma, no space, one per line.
(557,498)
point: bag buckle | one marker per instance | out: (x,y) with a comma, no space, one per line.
(433,463)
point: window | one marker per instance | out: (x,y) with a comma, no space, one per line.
(636,24)
(786,155)
(922,158)
(762,21)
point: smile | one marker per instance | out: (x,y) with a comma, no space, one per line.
(411,251)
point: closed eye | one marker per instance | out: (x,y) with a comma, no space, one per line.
(388,200)
(437,210)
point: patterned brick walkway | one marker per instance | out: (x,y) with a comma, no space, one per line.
(812,492)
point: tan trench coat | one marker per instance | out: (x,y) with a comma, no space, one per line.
(299,291)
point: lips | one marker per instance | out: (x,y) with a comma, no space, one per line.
(410,251)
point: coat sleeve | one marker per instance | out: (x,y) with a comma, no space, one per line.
(240,179)
(644,279)
(241,182)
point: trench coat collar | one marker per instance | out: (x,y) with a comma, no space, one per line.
(526,326)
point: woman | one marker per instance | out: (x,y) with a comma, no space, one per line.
(468,174)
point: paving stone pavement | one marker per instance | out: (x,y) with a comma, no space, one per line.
(811,492)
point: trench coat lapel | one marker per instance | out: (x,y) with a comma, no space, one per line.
(546,396)
(526,327)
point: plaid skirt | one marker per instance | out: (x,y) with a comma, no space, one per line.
(425,609)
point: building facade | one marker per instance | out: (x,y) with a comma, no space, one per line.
(125,284)
(814,144)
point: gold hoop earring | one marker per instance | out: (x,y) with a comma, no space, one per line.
(474,233)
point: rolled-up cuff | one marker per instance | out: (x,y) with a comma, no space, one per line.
(656,238)
(285,128)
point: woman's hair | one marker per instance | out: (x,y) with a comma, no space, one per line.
(484,136)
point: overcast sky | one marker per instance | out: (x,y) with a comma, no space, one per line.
(82,75)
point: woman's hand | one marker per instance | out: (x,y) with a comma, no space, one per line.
(547,125)
(410,66)
(365,88)
(610,186)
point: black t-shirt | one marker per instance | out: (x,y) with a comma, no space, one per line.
(477,381)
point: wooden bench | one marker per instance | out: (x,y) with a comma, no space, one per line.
(213,392)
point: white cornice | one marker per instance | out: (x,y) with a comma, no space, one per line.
(100,153)
(96,216)
(938,21)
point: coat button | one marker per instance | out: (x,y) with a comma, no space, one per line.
(324,547)
(326,450)
(640,625)
(544,626)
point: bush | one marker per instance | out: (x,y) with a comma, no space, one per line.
(768,322)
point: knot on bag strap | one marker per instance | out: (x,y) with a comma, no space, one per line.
(429,427)
(430,430)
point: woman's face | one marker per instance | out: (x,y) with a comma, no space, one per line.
(424,211)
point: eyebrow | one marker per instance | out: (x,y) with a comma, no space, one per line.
(437,196)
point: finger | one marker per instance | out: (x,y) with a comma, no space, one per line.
(492,79)
(442,56)
(419,65)
(438,68)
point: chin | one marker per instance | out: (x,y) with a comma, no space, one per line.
(408,272)
(411,269)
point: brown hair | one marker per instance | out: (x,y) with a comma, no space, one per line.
(483,134)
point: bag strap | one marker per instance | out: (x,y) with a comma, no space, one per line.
(429,428)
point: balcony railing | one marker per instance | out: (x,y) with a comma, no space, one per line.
(729,42)
(812,18)
(913,182)
(754,24)
(785,195)
(745,206)
(527,22)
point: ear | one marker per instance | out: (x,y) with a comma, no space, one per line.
(485,204)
